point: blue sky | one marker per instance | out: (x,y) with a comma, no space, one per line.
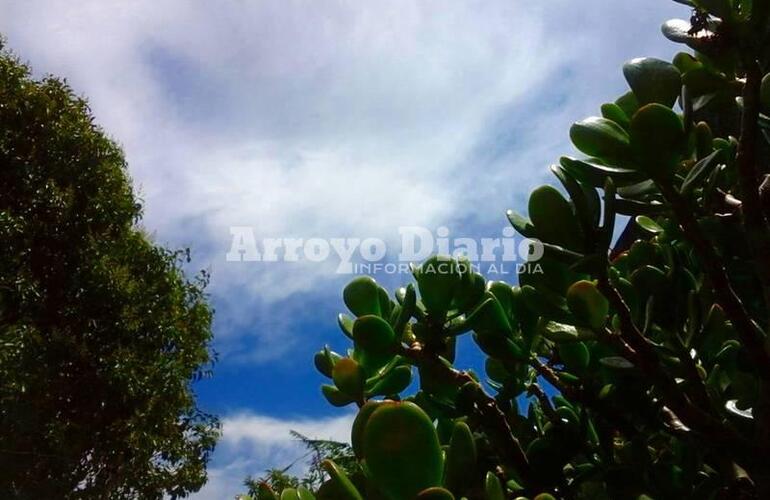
(325,119)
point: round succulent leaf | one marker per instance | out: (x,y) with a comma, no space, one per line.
(496,370)
(349,377)
(677,30)
(460,458)
(574,355)
(437,279)
(765,94)
(305,494)
(653,81)
(612,111)
(489,316)
(289,494)
(628,103)
(704,140)
(595,174)
(359,424)
(362,296)
(601,138)
(345,323)
(684,61)
(373,334)
(587,303)
(393,382)
(406,310)
(649,279)
(554,220)
(335,397)
(658,140)
(503,292)
(325,360)
(402,450)
(648,224)
(499,346)
(470,291)
(344,488)
(616,362)
(493,488)
(521,224)
(435,493)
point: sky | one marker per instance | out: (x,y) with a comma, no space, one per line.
(325,119)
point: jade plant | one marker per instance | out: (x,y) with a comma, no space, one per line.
(629,363)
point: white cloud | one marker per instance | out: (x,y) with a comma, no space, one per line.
(252,443)
(306,118)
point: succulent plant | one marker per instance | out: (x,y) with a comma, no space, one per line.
(635,365)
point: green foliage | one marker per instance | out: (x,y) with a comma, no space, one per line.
(630,366)
(102,334)
(325,457)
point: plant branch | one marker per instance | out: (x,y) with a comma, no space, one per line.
(646,358)
(492,418)
(754,217)
(748,331)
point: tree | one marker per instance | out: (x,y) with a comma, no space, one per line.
(641,360)
(101,333)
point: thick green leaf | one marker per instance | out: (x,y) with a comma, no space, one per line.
(584,199)
(374,341)
(402,450)
(392,382)
(765,94)
(345,323)
(553,218)
(612,111)
(335,397)
(407,310)
(601,138)
(628,103)
(349,377)
(587,303)
(658,140)
(344,487)
(304,494)
(362,296)
(460,459)
(435,493)
(648,224)
(521,224)
(653,81)
(701,170)
(575,356)
(493,488)
(438,279)
(596,174)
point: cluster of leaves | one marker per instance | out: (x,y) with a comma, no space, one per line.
(101,334)
(642,357)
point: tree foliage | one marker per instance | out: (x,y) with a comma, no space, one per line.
(101,333)
(632,365)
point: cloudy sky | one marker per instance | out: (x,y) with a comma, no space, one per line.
(325,119)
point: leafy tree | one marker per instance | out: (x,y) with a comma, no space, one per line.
(101,333)
(640,360)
